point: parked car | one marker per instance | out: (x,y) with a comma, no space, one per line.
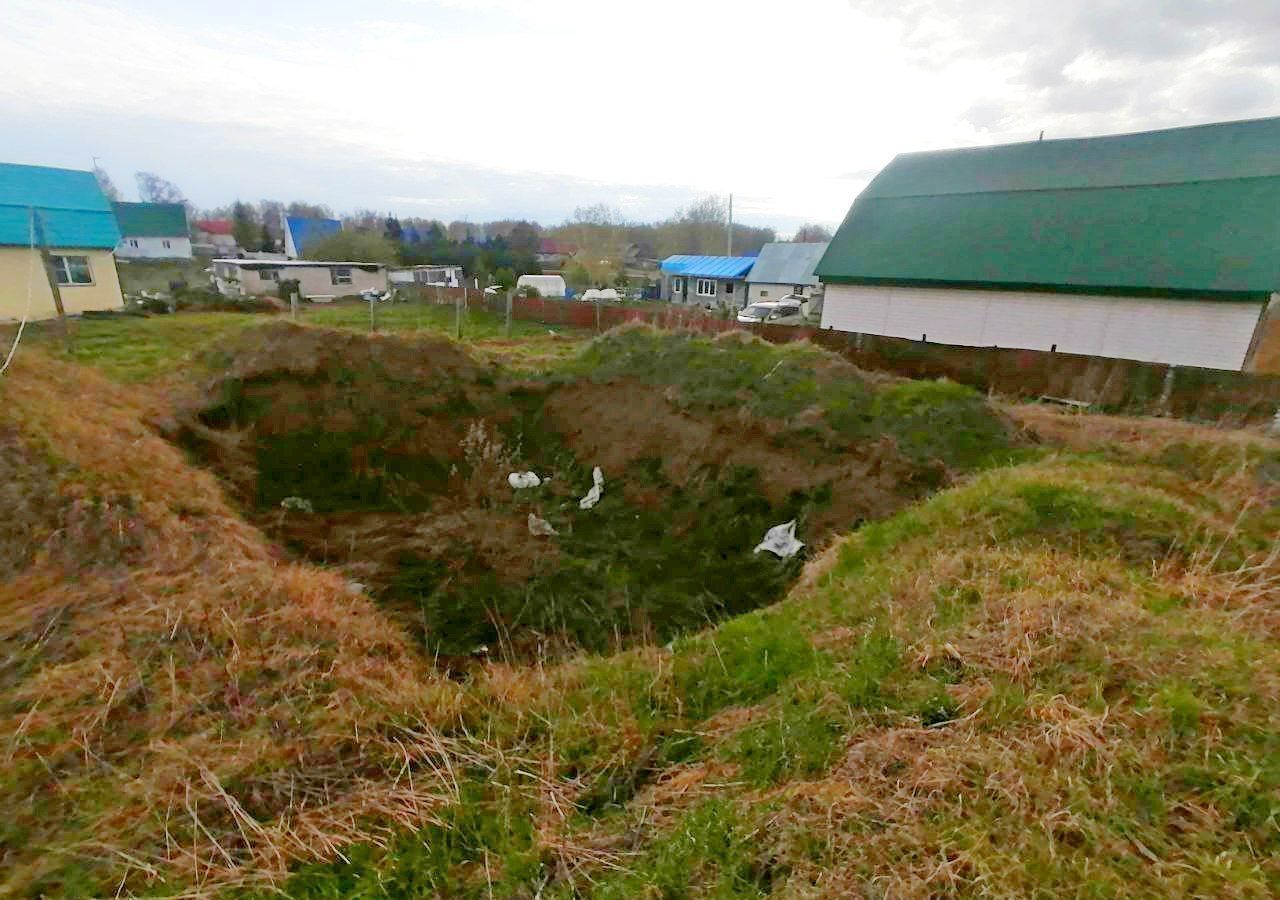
(789,310)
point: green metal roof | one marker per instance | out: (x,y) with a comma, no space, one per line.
(1184,211)
(151,219)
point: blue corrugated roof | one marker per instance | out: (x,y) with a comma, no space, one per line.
(709,266)
(308,231)
(72,208)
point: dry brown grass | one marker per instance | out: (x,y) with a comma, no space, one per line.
(184,702)
(181,708)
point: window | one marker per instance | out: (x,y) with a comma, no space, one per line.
(706,287)
(269,274)
(728,288)
(71,269)
(677,285)
(133,242)
(340,274)
(167,244)
(798,290)
(764,294)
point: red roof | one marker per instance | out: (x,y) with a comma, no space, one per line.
(562,248)
(214,226)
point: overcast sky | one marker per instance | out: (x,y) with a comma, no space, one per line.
(486,109)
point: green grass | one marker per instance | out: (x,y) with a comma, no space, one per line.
(930,421)
(137,348)
(399,318)
(1184,727)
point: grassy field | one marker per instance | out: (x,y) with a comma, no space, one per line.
(139,349)
(1058,677)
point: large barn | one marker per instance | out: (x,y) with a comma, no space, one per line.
(1162,246)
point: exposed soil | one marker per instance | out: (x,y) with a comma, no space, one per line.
(389,458)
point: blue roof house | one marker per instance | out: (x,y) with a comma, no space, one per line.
(65,212)
(301,233)
(712,281)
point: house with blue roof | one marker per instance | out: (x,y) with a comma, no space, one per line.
(713,281)
(301,233)
(65,212)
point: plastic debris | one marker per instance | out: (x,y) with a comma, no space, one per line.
(780,540)
(355,587)
(540,527)
(520,480)
(597,489)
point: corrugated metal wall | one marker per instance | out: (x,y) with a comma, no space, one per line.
(1209,333)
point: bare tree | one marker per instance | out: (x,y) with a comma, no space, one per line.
(811,233)
(154,189)
(106,184)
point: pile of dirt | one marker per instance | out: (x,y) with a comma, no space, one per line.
(390,458)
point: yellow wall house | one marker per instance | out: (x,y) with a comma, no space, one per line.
(65,211)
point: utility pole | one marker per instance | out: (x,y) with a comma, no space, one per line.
(730,253)
(37,228)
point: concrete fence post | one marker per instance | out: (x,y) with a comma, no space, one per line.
(1166,392)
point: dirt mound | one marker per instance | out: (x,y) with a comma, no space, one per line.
(285,349)
(390,458)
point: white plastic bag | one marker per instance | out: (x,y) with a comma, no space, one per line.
(540,527)
(780,540)
(597,489)
(520,480)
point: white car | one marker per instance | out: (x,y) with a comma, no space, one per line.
(790,310)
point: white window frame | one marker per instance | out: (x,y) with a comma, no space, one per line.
(764,294)
(133,242)
(340,275)
(62,270)
(677,285)
(706,287)
(167,244)
(269,274)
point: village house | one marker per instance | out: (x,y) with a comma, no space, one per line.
(1157,246)
(64,212)
(213,237)
(316,280)
(553,253)
(718,281)
(152,231)
(301,233)
(783,269)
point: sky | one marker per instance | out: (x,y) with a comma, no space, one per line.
(488,109)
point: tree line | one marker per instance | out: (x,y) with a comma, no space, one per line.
(596,246)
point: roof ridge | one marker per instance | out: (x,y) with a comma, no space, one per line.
(977,148)
(1073,188)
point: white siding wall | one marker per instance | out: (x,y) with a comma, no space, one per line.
(1209,333)
(154,248)
(760,290)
